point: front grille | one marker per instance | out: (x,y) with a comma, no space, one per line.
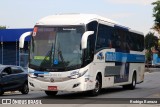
(52,79)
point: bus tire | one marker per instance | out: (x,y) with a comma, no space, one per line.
(51,93)
(133,84)
(97,88)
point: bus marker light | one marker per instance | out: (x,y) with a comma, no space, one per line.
(35,31)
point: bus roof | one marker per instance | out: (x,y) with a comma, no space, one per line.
(78,19)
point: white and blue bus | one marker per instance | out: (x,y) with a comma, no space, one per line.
(83,52)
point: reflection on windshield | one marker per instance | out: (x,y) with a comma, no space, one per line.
(56,48)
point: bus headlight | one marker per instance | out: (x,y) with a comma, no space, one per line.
(32,75)
(77,74)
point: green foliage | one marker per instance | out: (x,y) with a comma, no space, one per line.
(156,15)
(148,55)
(2,27)
(156,11)
(150,41)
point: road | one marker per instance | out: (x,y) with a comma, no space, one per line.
(150,88)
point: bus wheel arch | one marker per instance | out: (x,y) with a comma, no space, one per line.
(98,85)
(99,75)
(133,83)
(134,79)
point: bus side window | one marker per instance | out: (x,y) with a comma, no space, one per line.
(104,37)
(109,43)
(118,43)
(113,39)
(100,37)
(117,40)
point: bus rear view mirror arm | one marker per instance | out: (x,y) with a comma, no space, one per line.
(22,38)
(85,38)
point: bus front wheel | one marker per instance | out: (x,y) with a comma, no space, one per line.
(97,88)
(51,93)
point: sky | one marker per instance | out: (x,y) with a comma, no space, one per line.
(136,14)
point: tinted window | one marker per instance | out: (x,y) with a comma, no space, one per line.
(104,37)
(119,38)
(16,70)
(7,71)
(89,52)
(125,41)
(136,41)
(140,42)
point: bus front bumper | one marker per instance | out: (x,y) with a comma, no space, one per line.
(76,85)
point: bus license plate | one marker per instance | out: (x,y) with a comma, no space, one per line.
(52,88)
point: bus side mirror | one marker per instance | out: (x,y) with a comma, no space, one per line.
(22,38)
(85,38)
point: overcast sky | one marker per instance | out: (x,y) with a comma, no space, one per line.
(136,14)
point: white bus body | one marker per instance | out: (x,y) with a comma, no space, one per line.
(110,54)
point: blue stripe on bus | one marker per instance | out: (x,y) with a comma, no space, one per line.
(39,72)
(124,57)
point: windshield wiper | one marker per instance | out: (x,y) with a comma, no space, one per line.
(47,59)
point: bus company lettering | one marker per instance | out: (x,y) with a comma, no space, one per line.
(110,56)
(100,56)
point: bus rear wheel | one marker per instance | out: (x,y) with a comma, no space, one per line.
(97,88)
(51,93)
(133,84)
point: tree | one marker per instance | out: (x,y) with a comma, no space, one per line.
(151,41)
(156,15)
(148,55)
(2,27)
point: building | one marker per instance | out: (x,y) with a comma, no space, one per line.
(10,54)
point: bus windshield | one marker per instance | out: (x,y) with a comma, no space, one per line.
(56,48)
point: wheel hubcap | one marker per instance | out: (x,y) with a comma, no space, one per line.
(97,86)
(134,82)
